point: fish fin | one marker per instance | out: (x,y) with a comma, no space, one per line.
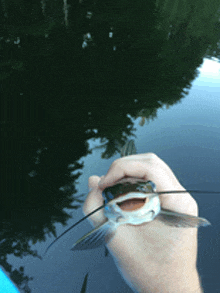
(128,149)
(106,251)
(95,238)
(83,289)
(181,220)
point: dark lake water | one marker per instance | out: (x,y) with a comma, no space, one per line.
(85,75)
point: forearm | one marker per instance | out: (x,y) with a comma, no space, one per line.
(155,257)
(163,265)
(169,282)
(174,284)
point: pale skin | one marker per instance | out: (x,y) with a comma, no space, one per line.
(152,257)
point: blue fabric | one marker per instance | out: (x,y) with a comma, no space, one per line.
(6,286)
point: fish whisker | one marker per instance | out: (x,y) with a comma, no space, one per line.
(101,207)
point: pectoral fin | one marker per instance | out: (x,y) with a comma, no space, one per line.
(181,220)
(95,238)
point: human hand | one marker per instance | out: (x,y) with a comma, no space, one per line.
(153,257)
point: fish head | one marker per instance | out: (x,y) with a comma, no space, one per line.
(127,185)
(131,201)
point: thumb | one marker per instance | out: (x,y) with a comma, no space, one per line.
(94,200)
(93,181)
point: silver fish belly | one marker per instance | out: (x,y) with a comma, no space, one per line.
(117,216)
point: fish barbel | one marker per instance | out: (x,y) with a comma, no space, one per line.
(133,201)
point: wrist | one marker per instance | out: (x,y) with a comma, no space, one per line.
(172,282)
(181,283)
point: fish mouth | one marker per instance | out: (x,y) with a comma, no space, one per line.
(132,204)
(134,208)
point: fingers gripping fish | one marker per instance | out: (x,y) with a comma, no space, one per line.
(133,201)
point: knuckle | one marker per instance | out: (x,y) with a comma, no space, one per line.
(116,162)
(153,156)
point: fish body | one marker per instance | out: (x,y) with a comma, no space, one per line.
(118,215)
(132,201)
